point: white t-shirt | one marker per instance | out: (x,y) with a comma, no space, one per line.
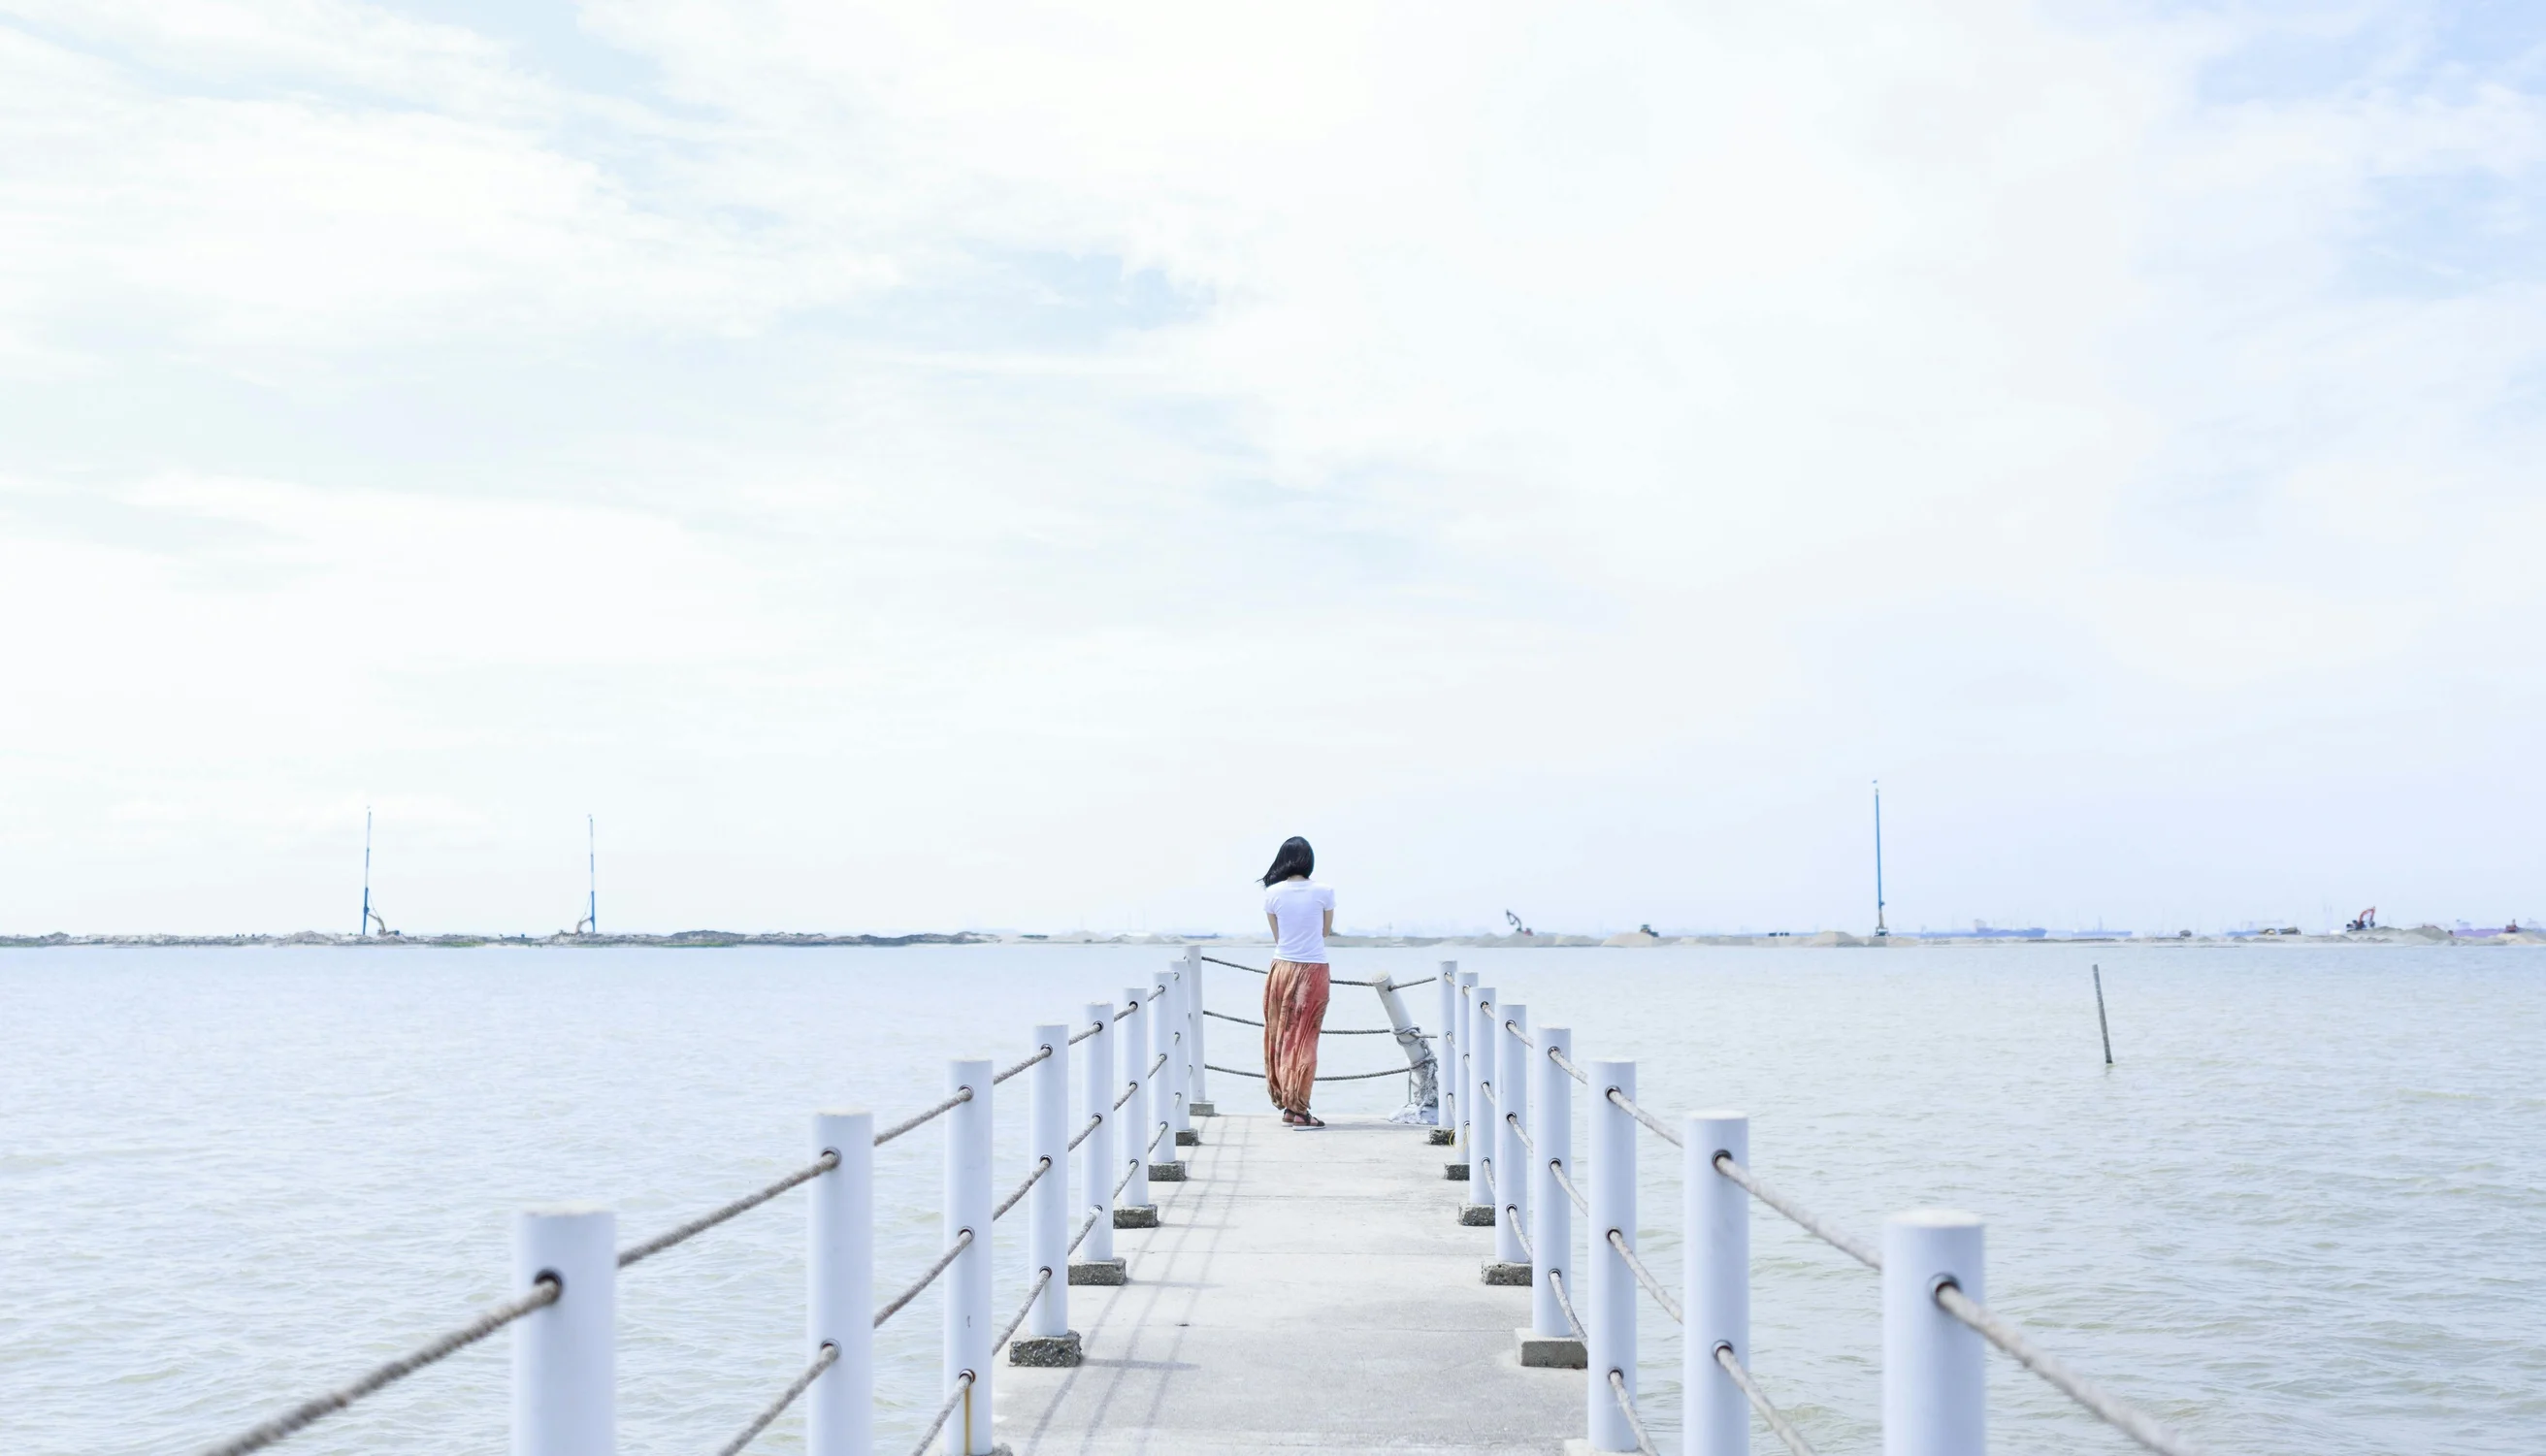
(1300,907)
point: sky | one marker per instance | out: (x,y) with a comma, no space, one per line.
(926,468)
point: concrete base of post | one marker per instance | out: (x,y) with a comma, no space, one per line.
(1047,1350)
(1456,1172)
(1188,1139)
(1166,1173)
(1201,1109)
(1476,1216)
(1136,1216)
(1550,1351)
(1104,1271)
(1443,1137)
(1514,1275)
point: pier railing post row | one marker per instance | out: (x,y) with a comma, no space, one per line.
(1609,1321)
(968,1326)
(1097,1169)
(1715,1288)
(1511,1157)
(1445,1051)
(565,1364)
(839,1287)
(1132,1125)
(1934,1373)
(1550,1339)
(1482,1108)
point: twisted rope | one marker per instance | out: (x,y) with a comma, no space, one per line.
(1043,1055)
(1563,1304)
(830,1354)
(743,1204)
(1125,1181)
(1095,1120)
(1811,1223)
(1521,1231)
(2116,1412)
(1042,1165)
(542,1294)
(1042,1278)
(1085,1225)
(897,1129)
(1130,1090)
(1580,1205)
(1512,1120)
(1565,1065)
(963,1241)
(962,1384)
(1645,1117)
(1331,980)
(1085,1032)
(1645,1276)
(1525,1038)
(1353,1076)
(1758,1400)
(1627,1407)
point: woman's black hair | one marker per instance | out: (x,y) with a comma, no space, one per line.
(1294,858)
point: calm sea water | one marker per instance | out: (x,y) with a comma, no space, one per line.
(2302,1215)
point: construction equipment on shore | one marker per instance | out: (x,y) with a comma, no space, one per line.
(2366,919)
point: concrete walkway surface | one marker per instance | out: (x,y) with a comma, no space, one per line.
(1307,1291)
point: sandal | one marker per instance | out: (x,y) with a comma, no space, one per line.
(1307,1120)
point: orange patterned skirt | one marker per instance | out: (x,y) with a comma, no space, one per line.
(1294,1012)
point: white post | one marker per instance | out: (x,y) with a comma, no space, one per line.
(1610,1317)
(1511,1160)
(1162,1151)
(563,1379)
(1484,1184)
(1934,1391)
(1550,1235)
(1097,1169)
(1180,1024)
(1047,1202)
(1202,1103)
(1131,1124)
(969,1323)
(839,1288)
(1466,1073)
(1446,1053)
(1715,1286)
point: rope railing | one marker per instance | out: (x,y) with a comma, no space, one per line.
(1645,1276)
(1042,1165)
(921,1119)
(1803,1218)
(1130,1167)
(1565,1303)
(1085,1225)
(1130,1090)
(1565,1065)
(829,1356)
(1153,1137)
(1581,1205)
(963,1241)
(1758,1400)
(1525,1038)
(1330,979)
(741,1205)
(2112,1410)
(1042,1278)
(1044,1055)
(542,1294)
(1340,1077)
(1520,1232)
(1086,1032)
(1512,1120)
(1324,1031)
(963,1385)
(1654,1124)
(1627,1407)
(1095,1120)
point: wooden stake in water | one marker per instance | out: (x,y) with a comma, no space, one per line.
(2102,1024)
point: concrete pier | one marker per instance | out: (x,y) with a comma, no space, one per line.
(1305,1291)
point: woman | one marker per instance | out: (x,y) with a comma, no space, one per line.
(1302,916)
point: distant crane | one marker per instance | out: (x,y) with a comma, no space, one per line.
(2366,919)
(1879,927)
(1517,927)
(371,917)
(591,921)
